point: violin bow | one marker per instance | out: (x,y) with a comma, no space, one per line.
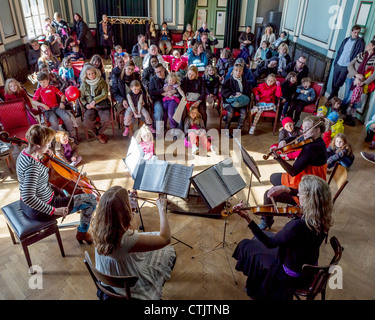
(274,204)
(74,190)
(318,123)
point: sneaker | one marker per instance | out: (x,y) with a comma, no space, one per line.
(370,157)
(214,149)
(126,132)
(194,149)
(252,130)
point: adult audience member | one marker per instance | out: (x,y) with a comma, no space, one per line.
(282,39)
(197,57)
(157,90)
(34,54)
(359,65)
(188,34)
(266,67)
(61,26)
(149,72)
(153,51)
(247,73)
(299,67)
(48,58)
(106,35)
(207,43)
(247,40)
(137,54)
(268,35)
(165,39)
(85,38)
(94,97)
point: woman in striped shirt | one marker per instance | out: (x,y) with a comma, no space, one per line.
(39,199)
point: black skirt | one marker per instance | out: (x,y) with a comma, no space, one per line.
(267,279)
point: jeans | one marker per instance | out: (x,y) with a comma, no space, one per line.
(250,48)
(170,107)
(339,77)
(52,117)
(348,91)
(231,112)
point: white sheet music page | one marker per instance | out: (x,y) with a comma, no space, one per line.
(177,180)
(153,176)
(228,173)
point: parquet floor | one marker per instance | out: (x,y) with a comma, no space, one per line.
(207,276)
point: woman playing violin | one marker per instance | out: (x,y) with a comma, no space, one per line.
(274,264)
(39,199)
(311,160)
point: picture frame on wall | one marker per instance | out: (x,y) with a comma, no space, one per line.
(363,13)
(202,3)
(222,3)
(220,23)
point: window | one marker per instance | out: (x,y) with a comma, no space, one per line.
(34,13)
(168,10)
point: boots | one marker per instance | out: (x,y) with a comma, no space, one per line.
(350,120)
(84,236)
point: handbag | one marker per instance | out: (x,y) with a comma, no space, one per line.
(368,88)
(238,102)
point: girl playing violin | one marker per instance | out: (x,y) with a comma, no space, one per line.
(311,160)
(273,265)
(39,199)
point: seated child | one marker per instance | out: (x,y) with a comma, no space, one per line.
(66,71)
(146,140)
(355,100)
(66,149)
(224,63)
(177,62)
(337,125)
(370,132)
(136,100)
(333,104)
(266,94)
(54,40)
(76,54)
(144,48)
(119,51)
(263,53)
(13,91)
(47,95)
(212,83)
(236,93)
(288,89)
(340,150)
(305,96)
(196,132)
(172,97)
(287,134)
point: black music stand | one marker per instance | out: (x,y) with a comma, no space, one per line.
(251,164)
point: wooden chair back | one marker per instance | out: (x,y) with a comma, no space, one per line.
(321,274)
(100,278)
(340,176)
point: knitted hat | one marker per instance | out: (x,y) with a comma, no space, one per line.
(286,120)
(333,116)
(322,109)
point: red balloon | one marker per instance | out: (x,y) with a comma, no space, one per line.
(72,93)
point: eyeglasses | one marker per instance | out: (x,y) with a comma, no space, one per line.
(301,62)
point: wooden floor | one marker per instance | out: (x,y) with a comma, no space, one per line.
(210,275)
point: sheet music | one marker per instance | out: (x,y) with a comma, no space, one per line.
(133,158)
(211,186)
(177,180)
(249,161)
(153,176)
(230,176)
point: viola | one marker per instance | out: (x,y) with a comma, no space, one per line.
(62,174)
(289,148)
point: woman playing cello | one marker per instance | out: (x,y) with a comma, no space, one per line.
(39,199)
(274,264)
(312,160)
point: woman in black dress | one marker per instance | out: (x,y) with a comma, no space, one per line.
(106,35)
(85,38)
(273,262)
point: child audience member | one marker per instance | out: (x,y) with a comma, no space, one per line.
(172,97)
(224,63)
(288,89)
(236,93)
(305,96)
(337,125)
(66,71)
(144,48)
(284,57)
(370,132)
(47,24)
(136,100)
(333,104)
(54,41)
(146,140)
(34,54)
(118,51)
(355,100)
(76,54)
(196,132)
(188,34)
(13,91)
(212,83)
(266,94)
(288,133)
(177,62)
(263,53)
(66,149)
(47,95)
(340,150)
(322,113)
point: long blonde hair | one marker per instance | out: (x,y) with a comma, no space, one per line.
(112,219)
(7,84)
(317,205)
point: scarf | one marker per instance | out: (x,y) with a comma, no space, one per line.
(362,66)
(93,84)
(104,25)
(239,80)
(282,61)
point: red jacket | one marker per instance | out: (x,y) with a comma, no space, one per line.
(267,94)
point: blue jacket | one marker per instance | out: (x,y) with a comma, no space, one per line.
(359,46)
(303,96)
(199,61)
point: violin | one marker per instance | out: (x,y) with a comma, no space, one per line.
(289,148)
(62,174)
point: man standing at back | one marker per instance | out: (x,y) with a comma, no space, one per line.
(348,50)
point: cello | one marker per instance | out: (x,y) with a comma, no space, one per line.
(61,174)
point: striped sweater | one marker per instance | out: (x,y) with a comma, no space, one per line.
(35,190)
